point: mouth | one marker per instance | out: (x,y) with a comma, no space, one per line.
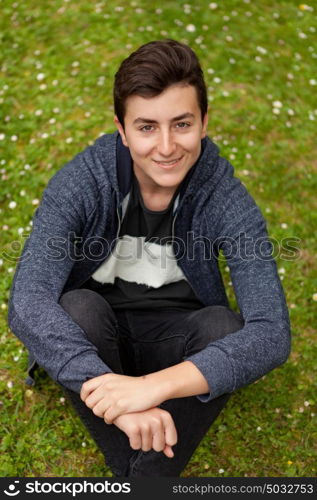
(168,164)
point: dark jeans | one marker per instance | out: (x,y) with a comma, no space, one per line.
(141,342)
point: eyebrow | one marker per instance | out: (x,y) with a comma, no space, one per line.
(148,120)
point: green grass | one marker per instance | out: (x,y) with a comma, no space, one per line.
(262,52)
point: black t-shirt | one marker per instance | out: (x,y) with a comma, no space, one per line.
(142,272)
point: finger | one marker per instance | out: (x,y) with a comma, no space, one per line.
(170,429)
(147,438)
(90,386)
(100,408)
(107,419)
(136,441)
(168,451)
(94,397)
(158,442)
(111,414)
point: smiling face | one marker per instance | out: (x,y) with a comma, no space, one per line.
(164,136)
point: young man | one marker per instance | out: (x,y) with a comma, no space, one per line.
(118,294)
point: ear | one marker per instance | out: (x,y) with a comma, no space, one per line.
(121,130)
(205,123)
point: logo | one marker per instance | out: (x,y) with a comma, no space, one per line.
(12,492)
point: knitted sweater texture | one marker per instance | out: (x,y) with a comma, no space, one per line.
(74,230)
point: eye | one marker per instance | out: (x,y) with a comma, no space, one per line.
(146,128)
(183,125)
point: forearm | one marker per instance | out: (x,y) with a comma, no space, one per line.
(111,395)
(178,381)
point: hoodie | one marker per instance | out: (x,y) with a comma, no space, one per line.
(74,229)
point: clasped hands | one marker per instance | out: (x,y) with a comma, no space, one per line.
(131,404)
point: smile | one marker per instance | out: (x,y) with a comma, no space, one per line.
(166,164)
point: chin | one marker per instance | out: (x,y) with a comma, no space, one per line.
(172,181)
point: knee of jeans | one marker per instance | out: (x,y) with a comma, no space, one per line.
(87,307)
(209,324)
(229,321)
(82,298)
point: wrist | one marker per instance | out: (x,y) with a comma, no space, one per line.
(159,386)
(177,381)
(162,385)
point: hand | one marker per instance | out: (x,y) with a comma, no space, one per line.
(111,395)
(153,428)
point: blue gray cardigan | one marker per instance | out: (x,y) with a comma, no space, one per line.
(82,206)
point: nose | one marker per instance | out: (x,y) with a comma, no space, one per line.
(166,144)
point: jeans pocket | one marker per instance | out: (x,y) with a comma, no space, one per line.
(154,355)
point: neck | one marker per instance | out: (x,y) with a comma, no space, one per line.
(157,202)
(154,197)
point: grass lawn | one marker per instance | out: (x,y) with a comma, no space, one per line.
(56,77)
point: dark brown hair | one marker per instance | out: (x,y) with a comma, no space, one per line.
(155,66)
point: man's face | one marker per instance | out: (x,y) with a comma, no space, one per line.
(164,136)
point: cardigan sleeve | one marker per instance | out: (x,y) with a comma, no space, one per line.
(264,342)
(35,316)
